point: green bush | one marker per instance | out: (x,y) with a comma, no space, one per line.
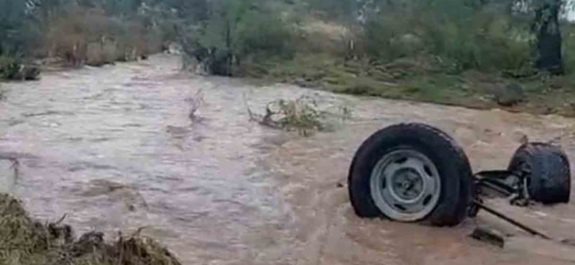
(9,67)
(263,33)
(12,69)
(569,47)
(236,32)
(380,33)
(484,40)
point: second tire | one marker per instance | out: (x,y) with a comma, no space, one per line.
(546,170)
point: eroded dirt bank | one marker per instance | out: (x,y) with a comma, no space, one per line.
(114,148)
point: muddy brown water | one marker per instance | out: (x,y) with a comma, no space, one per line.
(113,149)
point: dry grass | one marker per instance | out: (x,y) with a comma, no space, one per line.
(98,54)
(24,241)
(90,36)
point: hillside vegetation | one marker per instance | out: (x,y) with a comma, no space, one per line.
(480,53)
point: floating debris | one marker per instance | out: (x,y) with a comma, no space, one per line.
(303,115)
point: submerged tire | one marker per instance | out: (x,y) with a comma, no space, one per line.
(411,173)
(547,172)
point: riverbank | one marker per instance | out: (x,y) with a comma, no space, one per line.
(419,80)
(25,241)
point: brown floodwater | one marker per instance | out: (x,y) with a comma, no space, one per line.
(114,149)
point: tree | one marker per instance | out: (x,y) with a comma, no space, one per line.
(234,30)
(12,14)
(544,16)
(545,27)
(548,35)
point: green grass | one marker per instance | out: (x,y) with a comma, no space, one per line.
(406,80)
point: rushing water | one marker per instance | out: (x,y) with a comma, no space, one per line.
(114,148)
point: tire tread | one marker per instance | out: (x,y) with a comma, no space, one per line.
(454,201)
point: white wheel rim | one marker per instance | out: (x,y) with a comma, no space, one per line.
(405,185)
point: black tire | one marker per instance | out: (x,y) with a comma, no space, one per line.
(451,162)
(547,172)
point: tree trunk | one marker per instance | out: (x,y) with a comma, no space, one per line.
(546,27)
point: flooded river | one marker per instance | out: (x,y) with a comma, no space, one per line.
(114,148)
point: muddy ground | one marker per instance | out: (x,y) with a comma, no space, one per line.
(114,148)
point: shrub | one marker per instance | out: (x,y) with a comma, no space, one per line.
(90,35)
(486,40)
(236,31)
(272,39)
(301,115)
(98,54)
(380,35)
(569,47)
(13,69)
(9,67)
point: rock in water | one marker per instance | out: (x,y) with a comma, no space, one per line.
(510,95)
(489,235)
